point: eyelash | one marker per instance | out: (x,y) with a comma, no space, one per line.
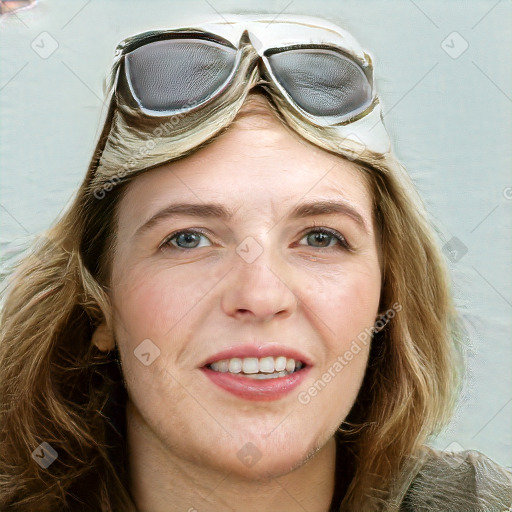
(342,242)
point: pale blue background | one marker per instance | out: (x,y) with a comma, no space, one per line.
(451,120)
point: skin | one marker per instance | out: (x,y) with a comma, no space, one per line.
(302,291)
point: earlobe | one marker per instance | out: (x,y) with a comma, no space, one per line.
(103,338)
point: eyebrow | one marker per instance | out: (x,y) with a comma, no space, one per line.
(218,211)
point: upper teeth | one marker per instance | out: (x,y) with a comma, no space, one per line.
(254,365)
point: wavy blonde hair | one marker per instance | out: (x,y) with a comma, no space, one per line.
(58,387)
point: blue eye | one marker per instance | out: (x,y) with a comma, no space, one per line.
(323,235)
(191,239)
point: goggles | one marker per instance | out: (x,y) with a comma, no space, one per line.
(171,90)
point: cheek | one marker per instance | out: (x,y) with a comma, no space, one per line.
(149,309)
(160,304)
(346,302)
(343,307)
(152,303)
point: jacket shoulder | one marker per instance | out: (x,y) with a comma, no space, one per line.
(459,481)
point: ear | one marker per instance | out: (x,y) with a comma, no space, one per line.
(103,338)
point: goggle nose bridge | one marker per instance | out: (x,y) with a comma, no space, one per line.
(250,39)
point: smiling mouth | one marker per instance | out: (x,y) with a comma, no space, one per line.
(258,368)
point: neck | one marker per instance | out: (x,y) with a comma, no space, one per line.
(162,481)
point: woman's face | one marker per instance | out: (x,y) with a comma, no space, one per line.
(197,287)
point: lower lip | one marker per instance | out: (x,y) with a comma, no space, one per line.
(254,389)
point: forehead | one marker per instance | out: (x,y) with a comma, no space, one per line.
(257,165)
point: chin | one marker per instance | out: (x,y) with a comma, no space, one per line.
(276,455)
(268,467)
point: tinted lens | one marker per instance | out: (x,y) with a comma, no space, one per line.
(322,82)
(174,74)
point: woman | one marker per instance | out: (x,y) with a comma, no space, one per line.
(264,315)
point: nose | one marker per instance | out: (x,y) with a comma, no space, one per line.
(258,291)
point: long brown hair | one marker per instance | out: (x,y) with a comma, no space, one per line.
(57,387)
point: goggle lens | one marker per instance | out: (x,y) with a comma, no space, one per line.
(322,82)
(172,74)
